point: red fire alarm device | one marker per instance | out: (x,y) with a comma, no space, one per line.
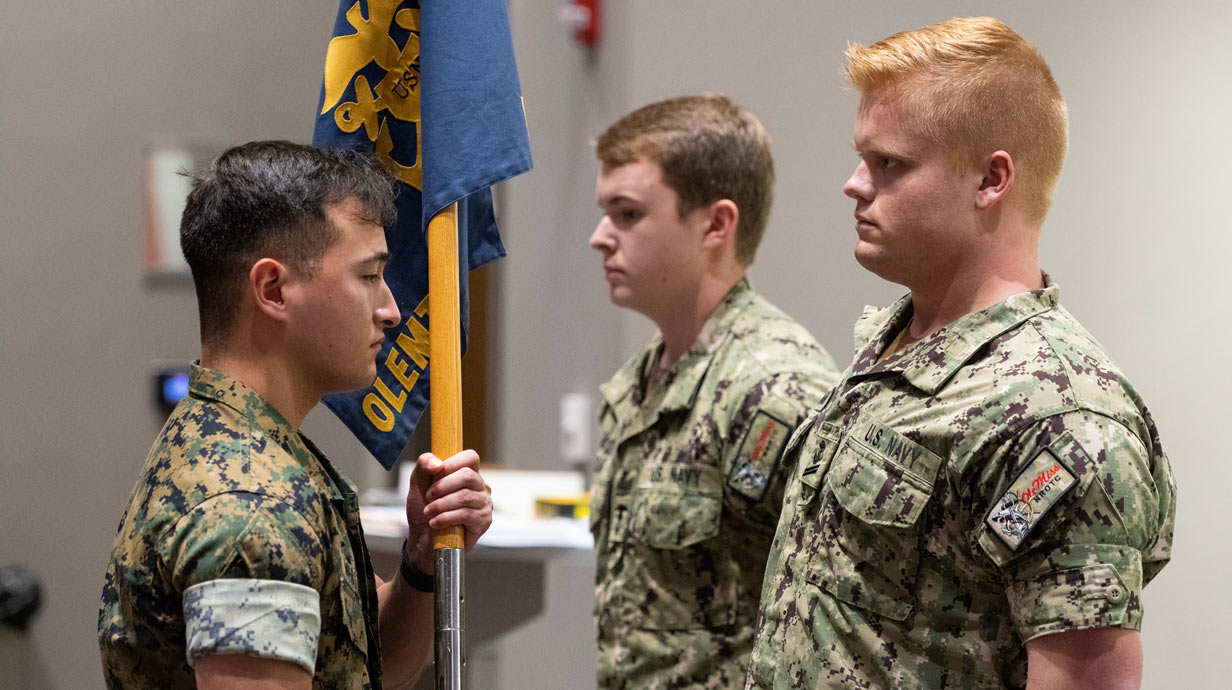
(583,17)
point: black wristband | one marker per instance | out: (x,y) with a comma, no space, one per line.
(415,577)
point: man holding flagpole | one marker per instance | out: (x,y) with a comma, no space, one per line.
(240,561)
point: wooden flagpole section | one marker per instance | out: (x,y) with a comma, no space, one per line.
(445,350)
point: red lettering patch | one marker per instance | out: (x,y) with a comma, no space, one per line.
(1029,498)
(758,455)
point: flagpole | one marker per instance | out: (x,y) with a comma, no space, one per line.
(445,349)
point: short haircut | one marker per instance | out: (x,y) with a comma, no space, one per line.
(709,149)
(974,86)
(270,199)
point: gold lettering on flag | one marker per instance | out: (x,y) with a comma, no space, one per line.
(407,359)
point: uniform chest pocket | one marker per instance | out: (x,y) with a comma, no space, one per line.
(343,645)
(352,616)
(676,573)
(870,524)
(677,505)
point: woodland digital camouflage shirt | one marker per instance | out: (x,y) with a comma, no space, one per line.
(231,491)
(687,491)
(997,481)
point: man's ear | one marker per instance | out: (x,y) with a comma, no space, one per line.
(998,175)
(267,283)
(722,217)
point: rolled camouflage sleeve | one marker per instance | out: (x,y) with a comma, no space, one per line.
(264,618)
(1076,512)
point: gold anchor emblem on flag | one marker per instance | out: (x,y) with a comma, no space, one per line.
(397,94)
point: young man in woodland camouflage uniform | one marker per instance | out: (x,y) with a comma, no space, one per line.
(689,480)
(240,561)
(981,499)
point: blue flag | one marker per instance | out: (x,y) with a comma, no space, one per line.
(434,94)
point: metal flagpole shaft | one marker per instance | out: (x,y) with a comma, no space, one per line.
(450,649)
(445,350)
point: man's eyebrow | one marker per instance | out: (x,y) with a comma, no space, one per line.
(879,151)
(615,199)
(865,148)
(379,257)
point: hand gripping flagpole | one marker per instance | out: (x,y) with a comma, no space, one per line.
(445,350)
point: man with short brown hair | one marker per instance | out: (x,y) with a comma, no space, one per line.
(240,559)
(689,482)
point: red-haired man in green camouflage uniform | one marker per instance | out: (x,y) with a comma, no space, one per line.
(981,499)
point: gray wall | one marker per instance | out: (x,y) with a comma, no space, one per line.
(1137,239)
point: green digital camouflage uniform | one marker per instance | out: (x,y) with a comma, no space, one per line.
(997,481)
(687,492)
(231,490)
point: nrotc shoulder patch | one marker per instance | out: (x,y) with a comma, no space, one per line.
(759,454)
(1029,497)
